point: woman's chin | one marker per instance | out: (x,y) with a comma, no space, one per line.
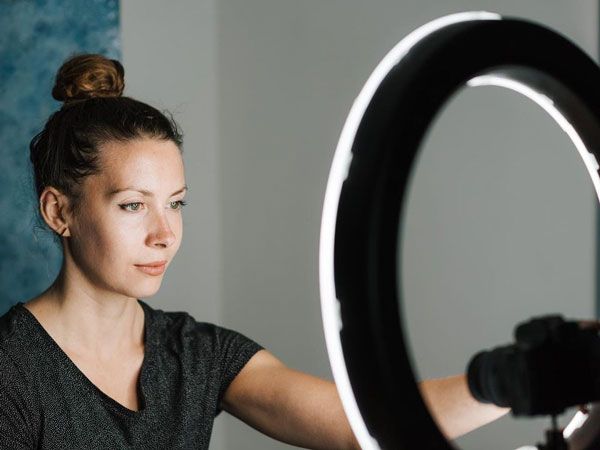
(145,291)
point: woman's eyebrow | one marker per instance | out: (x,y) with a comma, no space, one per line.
(141,191)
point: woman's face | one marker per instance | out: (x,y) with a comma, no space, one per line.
(129,215)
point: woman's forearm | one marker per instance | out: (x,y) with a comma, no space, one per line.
(454,408)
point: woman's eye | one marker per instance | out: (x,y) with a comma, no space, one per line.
(131,206)
(135,206)
(178,204)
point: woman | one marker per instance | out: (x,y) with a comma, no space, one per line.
(86,364)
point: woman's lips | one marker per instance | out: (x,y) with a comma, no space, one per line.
(153,268)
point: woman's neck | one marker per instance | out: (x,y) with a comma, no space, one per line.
(89,322)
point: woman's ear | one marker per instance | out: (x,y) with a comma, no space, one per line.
(54,207)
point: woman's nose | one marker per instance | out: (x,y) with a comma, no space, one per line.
(162,234)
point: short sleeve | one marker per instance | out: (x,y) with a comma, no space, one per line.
(234,350)
(16,414)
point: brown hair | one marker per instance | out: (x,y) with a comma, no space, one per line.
(94,112)
(88,76)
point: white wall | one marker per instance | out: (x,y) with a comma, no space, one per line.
(262,89)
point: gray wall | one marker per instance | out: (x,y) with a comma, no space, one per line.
(262,89)
(499,227)
(169,55)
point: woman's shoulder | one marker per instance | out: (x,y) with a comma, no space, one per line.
(181,328)
(180,331)
(176,322)
(12,346)
(19,401)
(18,342)
(12,375)
(10,323)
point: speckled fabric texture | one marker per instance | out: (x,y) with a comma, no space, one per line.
(46,402)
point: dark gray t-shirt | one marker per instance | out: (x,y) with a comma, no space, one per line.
(47,402)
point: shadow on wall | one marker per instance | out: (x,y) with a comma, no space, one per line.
(36,36)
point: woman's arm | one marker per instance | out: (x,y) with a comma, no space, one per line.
(288,405)
(306,411)
(453,407)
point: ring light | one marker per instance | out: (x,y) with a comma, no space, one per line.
(358,265)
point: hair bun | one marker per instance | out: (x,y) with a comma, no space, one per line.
(89,75)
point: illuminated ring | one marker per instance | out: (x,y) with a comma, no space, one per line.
(358,267)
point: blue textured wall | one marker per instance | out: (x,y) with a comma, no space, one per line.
(36,36)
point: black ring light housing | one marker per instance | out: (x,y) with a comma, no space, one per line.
(368,183)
